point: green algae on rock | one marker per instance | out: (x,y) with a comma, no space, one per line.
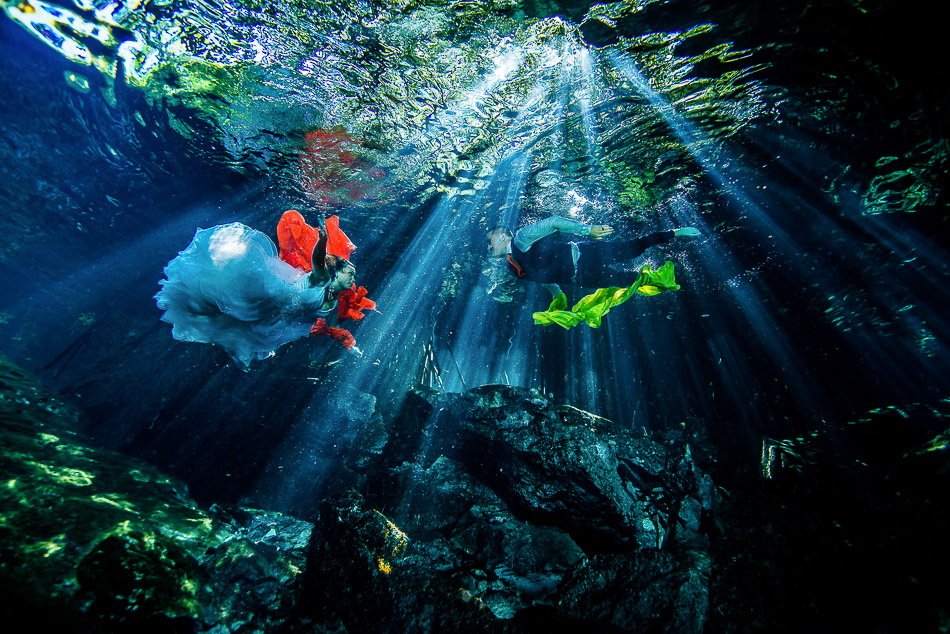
(91,538)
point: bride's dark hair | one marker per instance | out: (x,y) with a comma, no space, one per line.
(335,264)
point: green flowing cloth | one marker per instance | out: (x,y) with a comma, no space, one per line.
(592,308)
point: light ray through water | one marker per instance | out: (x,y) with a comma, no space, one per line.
(395,341)
(715,260)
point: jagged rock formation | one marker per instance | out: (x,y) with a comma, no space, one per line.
(495,510)
(92,540)
(534,513)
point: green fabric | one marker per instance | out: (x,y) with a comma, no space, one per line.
(592,308)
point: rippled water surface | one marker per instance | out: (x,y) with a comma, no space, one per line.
(635,99)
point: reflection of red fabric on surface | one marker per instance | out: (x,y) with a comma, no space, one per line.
(296,239)
(326,160)
(352,302)
(345,337)
(332,172)
(355,189)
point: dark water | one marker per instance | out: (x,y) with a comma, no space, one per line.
(806,140)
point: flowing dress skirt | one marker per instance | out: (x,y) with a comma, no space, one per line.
(229,288)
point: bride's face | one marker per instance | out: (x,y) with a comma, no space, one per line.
(344,278)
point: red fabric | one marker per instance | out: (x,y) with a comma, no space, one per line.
(352,302)
(514,264)
(297,239)
(345,337)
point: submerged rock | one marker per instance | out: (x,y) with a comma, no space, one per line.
(560,466)
(648,590)
(498,510)
(93,540)
(491,511)
(466,528)
(365,573)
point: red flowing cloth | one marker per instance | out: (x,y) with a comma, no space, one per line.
(296,239)
(344,336)
(352,302)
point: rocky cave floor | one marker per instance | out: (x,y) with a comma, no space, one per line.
(492,510)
